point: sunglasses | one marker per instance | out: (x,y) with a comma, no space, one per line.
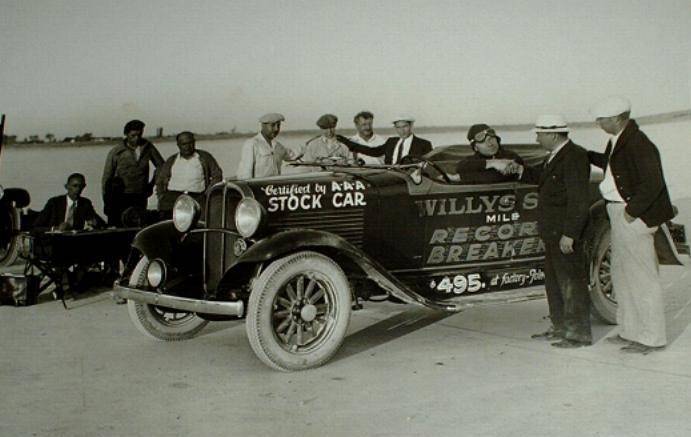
(482,136)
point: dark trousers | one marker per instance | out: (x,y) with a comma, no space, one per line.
(115,205)
(566,282)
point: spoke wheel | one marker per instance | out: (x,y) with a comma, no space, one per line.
(299,311)
(158,322)
(602,293)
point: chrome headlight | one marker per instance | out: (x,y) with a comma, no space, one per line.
(185,213)
(248,217)
(156,273)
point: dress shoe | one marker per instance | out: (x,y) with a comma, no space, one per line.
(638,348)
(618,339)
(570,344)
(550,334)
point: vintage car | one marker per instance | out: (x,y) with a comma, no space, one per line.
(295,254)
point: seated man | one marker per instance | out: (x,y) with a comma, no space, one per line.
(70,211)
(190,171)
(326,145)
(479,167)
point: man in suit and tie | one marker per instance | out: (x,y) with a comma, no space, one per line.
(394,149)
(563,208)
(69,211)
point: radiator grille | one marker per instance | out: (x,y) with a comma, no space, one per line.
(348,224)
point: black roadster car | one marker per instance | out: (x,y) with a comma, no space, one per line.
(293,255)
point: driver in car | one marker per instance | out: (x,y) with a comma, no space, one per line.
(484,166)
(326,145)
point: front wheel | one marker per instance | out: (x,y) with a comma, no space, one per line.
(602,293)
(158,322)
(298,311)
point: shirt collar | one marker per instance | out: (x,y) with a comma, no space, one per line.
(70,201)
(556,150)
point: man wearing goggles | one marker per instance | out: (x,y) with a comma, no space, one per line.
(481,167)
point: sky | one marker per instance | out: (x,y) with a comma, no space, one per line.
(68,67)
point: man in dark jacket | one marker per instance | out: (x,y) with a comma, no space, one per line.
(563,206)
(477,168)
(637,204)
(190,171)
(70,211)
(395,148)
(126,181)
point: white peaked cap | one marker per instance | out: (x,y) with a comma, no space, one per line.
(551,123)
(611,106)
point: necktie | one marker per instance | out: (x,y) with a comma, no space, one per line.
(400,152)
(70,215)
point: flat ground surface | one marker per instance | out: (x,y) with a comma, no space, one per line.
(402,371)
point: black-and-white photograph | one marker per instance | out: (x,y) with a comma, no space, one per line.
(309,218)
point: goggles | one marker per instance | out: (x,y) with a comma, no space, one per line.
(482,136)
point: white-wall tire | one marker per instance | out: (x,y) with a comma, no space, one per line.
(299,311)
(156,322)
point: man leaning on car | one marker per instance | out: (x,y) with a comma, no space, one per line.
(563,182)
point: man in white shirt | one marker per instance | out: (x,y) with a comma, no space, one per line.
(190,171)
(326,145)
(263,155)
(365,135)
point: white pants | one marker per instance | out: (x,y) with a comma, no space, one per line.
(636,279)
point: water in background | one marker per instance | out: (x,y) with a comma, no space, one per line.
(43,170)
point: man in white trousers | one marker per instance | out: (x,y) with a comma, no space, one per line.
(637,204)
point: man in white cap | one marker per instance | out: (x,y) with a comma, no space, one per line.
(262,155)
(637,204)
(394,148)
(563,207)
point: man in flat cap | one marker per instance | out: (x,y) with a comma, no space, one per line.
(637,204)
(366,136)
(263,155)
(126,181)
(478,168)
(563,207)
(395,148)
(326,145)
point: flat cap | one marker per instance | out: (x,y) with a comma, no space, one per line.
(407,118)
(271,117)
(611,107)
(327,121)
(551,123)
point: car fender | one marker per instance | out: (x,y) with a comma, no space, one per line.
(290,241)
(162,241)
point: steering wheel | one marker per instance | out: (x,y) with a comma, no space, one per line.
(419,159)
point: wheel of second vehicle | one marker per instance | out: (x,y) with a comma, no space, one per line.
(602,294)
(298,311)
(9,237)
(158,322)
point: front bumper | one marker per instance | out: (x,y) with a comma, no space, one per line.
(180,303)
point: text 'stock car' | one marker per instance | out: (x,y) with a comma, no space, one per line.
(293,255)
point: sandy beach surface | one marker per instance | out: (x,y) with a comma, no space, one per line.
(402,371)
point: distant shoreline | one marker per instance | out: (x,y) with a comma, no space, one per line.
(642,120)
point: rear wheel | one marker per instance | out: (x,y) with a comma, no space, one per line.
(158,322)
(9,234)
(602,293)
(299,311)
